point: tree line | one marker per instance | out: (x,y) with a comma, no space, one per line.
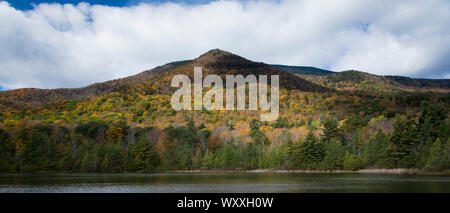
(418,140)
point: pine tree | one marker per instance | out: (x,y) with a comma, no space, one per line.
(113,158)
(207,161)
(446,156)
(197,160)
(334,155)
(404,140)
(375,154)
(145,156)
(330,130)
(186,157)
(88,162)
(288,153)
(436,157)
(309,153)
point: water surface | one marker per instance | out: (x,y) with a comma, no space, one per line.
(222,182)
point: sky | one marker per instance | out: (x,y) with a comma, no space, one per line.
(68,43)
(27,4)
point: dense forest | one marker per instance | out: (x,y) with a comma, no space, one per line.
(327,122)
(417,141)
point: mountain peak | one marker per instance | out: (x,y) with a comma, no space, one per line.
(217,55)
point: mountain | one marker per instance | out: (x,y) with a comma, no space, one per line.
(346,120)
(365,81)
(304,70)
(214,61)
(423,83)
(33,97)
(224,63)
(377,85)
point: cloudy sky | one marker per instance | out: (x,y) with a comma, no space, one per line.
(73,43)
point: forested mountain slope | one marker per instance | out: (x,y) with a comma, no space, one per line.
(344,120)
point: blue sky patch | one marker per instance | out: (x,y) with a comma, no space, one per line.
(28,5)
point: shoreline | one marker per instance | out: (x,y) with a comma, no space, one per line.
(398,171)
(277,171)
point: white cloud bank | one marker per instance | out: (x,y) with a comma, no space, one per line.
(68,45)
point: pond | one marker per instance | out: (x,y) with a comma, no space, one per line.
(222,182)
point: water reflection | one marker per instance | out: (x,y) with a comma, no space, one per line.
(238,182)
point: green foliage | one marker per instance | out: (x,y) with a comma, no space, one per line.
(375,154)
(275,157)
(208,161)
(281,122)
(227,157)
(142,156)
(7,151)
(113,158)
(197,160)
(250,155)
(186,157)
(439,156)
(331,130)
(355,122)
(334,155)
(308,154)
(89,161)
(352,162)
(404,140)
(258,136)
(432,117)
(113,132)
(91,129)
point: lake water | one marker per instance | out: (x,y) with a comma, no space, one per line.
(235,182)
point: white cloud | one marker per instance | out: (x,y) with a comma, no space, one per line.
(68,45)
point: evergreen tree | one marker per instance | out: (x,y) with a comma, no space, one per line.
(186,157)
(113,158)
(334,155)
(309,153)
(274,157)
(404,140)
(330,130)
(7,150)
(355,145)
(436,158)
(207,161)
(257,135)
(250,155)
(197,160)
(375,154)
(289,151)
(432,116)
(144,155)
(227,156)
(88,162)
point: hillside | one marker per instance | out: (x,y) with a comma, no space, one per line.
(382,85)
(357,80)
(215,61)
(420,83)
(345,120)
(224,63)
(33,97)
(303,70)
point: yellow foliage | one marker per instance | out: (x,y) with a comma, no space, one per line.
(114,133)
